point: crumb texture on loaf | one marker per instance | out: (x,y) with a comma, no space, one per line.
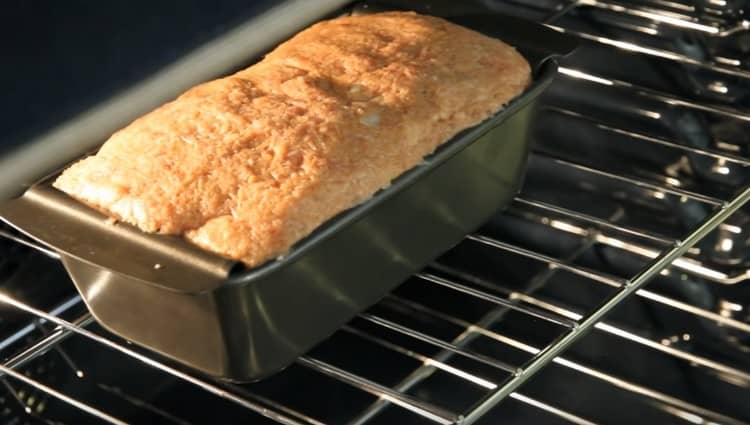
(247,165)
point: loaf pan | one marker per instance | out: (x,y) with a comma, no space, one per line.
(242,324)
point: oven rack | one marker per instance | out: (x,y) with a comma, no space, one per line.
(718,21)
(710,25)
(573,324)
(728,66)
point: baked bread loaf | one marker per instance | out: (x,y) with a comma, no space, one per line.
(247,165)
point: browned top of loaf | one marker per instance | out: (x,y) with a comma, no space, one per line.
(247,165)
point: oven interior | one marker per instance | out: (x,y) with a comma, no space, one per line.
(644,135)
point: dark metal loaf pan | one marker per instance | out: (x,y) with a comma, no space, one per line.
(243,324)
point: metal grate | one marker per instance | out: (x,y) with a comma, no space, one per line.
(486,358)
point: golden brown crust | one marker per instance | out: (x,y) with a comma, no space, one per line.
(247,165)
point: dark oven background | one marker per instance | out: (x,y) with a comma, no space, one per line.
(61,58)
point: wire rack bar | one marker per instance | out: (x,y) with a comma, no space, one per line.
(462,340)
(280,415)
(612,281)
(142,404)
(736,374)
(682,21)
(672,5)
(684,264)
(26,242)
(654,52)
(26,330)
(710,200)
(652,94)
(655,267)
(600,223)
(692,359)
(426,360)
(653,396)
(426,410)
(651,139)
(62,396)
(388,324)
(675,405)
(46,343)
(466,376)
(539,314)
(572,418)
(722,21)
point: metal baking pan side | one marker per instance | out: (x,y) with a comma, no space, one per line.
(243,324)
